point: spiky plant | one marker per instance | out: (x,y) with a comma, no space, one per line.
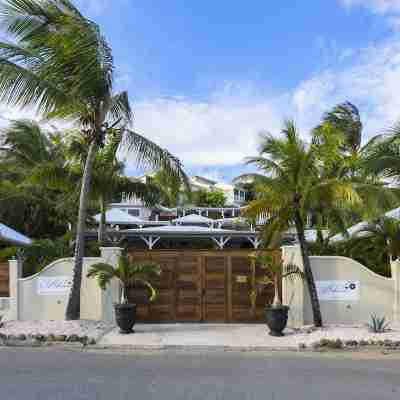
(127,274)
(378,324)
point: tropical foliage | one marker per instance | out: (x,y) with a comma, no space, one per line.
(204,198)
(301,179)
(59,63)
(275,271)
(128,275)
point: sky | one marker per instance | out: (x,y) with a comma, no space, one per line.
(206,77)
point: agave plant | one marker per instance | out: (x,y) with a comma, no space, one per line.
(127,274)
(275,271)
(378,324)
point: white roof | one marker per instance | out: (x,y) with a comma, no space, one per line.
(118,217)
(361,225)
(180,229)
(10,235)
(193,219)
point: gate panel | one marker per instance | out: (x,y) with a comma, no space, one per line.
(188,288)
(214,289)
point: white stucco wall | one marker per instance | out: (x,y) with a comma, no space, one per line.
(377,294)
(34,306)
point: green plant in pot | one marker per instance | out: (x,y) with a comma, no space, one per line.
(127,274)
(276,314)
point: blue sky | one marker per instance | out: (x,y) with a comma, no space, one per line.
(206,77)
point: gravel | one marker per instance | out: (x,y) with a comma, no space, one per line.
(91,329)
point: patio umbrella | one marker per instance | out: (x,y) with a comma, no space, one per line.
(118,217)
(10,235)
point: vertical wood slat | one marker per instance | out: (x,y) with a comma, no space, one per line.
(187,303)
(229,288)
(4,280)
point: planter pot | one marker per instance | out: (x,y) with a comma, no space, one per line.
(125,316)
(276,318)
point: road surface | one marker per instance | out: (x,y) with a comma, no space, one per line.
(27,374)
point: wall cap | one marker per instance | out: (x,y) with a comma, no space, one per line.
(363,267)
(56,262)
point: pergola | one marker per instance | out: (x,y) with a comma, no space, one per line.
(10,235)
(151,236)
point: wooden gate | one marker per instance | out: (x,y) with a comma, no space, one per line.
(195,286)
(4,285)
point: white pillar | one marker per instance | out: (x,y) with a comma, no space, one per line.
(395,267)
(110,255)
(15,273)
(294,293)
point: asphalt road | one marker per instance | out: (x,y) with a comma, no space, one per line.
(76,375)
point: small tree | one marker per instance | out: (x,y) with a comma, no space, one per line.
(274,272)
(128,274)
(215,198)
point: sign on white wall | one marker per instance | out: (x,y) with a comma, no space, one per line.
(338,290)
(54,285)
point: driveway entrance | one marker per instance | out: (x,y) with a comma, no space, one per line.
(201,286)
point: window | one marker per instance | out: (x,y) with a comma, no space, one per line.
(134,212)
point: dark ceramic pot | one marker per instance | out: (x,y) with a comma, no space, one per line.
(125,316)
(276,318)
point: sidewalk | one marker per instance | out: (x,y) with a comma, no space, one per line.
(236,337)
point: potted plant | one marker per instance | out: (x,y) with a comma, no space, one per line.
(127,274)
(276,314)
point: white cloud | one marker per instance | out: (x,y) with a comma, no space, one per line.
(376,6)
(224,129)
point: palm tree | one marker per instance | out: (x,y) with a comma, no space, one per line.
(58,62)
(291,186)
(26,204)
(385,233)
(128,274)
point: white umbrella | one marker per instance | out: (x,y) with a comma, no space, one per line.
(118,217)
(193,219)
(10,235)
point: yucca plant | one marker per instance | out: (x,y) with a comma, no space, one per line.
(378,324)
(127,274)
(274,272)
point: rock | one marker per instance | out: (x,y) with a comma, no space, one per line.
(21,337)
(316,345)
(51,338)
(40,338)
(351,343)
(363,342)
(73,338)
(60,338)
(84,340)
(324,342)
(388,343)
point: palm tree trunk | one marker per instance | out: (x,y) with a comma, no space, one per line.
(74,300)
(102,224)
(316,309)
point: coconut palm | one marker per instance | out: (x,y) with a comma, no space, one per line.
(291,186)
(59,63)
(28,205)
(128,275)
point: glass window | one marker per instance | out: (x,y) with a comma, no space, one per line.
(134,212)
